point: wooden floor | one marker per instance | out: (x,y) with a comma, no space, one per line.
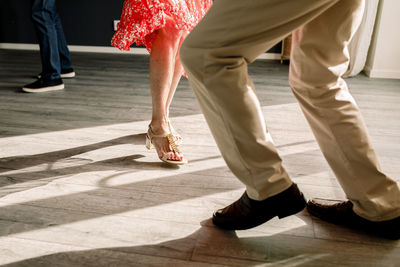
(78,187)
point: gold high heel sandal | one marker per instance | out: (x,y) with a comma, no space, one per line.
(169,157)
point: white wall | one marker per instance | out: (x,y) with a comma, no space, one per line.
(384,54)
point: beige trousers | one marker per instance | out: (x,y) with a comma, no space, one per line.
(232,35)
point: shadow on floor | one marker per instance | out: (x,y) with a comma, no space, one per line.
(209,246)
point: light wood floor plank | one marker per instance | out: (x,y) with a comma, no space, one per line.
(78,187)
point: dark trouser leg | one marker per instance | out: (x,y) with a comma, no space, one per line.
(43,14)
(65,58)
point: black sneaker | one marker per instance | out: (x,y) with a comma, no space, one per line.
(43,86)
(67,73)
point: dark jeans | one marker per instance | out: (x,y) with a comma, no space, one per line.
(53,46)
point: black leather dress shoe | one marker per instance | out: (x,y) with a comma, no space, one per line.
(341,212)
(247,213)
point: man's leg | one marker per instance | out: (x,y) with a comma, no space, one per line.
(217,70)
(65,57)
(216,54)
(319,59)
(43,17)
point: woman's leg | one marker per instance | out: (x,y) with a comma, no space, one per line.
(178,71)
(162,66)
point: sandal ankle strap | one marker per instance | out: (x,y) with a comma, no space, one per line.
(152,135)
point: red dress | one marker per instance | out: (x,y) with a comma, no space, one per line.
(141,18)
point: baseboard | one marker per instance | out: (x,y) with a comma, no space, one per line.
(77,48)
(271,56)
(107,49)
(382,73)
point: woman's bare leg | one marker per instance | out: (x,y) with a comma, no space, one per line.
(178,72)
(162,66)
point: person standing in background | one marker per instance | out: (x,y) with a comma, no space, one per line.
(55,56)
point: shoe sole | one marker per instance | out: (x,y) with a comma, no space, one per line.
(174,162)
(68,75)
(43,89)
(62,75)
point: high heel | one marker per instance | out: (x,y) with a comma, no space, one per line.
(169,157)
(149,144)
